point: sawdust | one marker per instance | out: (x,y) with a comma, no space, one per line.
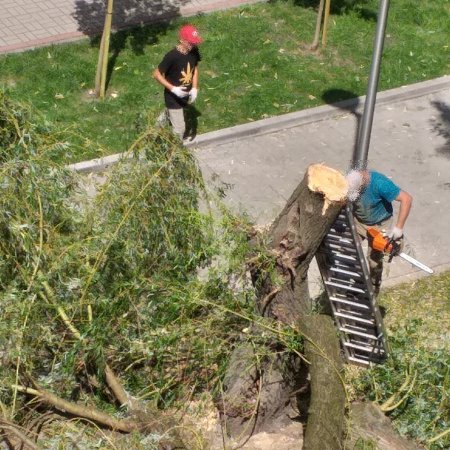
(203,429)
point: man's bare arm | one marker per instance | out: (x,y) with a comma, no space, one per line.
(405,206)
(158,76)
(195,78)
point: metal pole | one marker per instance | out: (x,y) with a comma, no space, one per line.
(360,158)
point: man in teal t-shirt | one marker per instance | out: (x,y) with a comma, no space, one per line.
(373,194)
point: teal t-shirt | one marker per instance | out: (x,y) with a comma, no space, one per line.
(374,204)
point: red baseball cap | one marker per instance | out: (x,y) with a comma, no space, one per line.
(190,34)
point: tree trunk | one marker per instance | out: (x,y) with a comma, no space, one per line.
(102,66)
(325,426)
(326,18)
(315,42)
(294,239)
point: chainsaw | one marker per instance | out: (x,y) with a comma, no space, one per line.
(393,248)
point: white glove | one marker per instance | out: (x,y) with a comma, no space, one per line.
(179,91)
(395,234)
(193,95)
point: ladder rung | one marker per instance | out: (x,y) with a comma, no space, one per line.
(347,282)
(358,333)
(378,344)
(359,361)
(345,257)
(356,319)
(339,234)
(343,286)
(346,272)
(340,223)
(368,349)
(336,238)
(333,249)
(348,266)
(329,245)
(361,329)
(374,358)
(348,302)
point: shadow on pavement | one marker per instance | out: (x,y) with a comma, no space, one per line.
(90,14)
(441,126)
(346,101)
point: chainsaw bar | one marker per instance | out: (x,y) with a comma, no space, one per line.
(416,263)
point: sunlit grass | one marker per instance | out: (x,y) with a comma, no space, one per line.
(417,322)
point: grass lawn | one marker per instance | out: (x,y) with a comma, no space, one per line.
(418,327)
(255,65)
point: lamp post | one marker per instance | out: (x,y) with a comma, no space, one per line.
(362,149)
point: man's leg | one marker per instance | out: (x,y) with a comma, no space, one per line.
(176,117)
(375,258)
(376,268)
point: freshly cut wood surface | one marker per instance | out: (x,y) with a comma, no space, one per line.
(329,182)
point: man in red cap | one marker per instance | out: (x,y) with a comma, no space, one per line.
(178,73)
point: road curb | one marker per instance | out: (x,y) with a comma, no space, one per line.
(286,121)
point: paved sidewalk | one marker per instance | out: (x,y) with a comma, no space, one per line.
(26,24)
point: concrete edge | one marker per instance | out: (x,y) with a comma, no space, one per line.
(286,121)
(415,275)
(97,164)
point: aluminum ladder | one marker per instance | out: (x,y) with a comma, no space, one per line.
(345,275)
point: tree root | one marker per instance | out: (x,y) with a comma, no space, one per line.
(14,433)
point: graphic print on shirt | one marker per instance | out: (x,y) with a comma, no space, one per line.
(186,75)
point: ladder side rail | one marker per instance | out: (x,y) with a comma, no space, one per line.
(362,258)
(322,263)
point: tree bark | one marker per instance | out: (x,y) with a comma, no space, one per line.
(325,426)
(294,239)
(326,18)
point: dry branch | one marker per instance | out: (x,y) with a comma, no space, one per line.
(119,392)
(87,412)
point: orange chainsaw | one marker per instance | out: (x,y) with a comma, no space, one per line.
(393,248)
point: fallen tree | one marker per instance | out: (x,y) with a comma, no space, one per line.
(91,305)
(293,238)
